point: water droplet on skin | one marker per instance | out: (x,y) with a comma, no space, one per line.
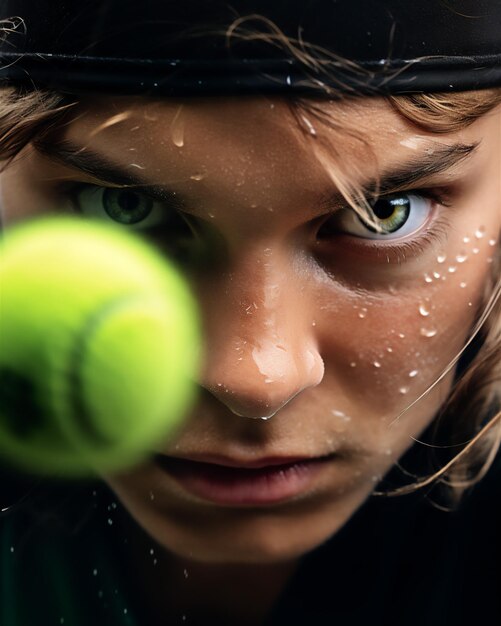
(436,275)
(403,390)
(390,350)
(197,177)
(310,126)
(466,240)
(452,269)
(431,332)
(413,374)
(401,335)
(441,258)
(462,285)
(110,521)
(461,257)
(152,551)
(377,364)
(388,451)
(428,279)
(363,313)
(177,129)
(423,310)
(353,364)
(341,415)
(475,250)
(480,232)
(492,242)
(313,323)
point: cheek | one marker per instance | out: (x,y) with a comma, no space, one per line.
(383,350)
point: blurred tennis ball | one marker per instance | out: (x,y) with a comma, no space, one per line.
(98,347)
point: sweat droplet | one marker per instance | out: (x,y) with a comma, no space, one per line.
(436,275)
(310,126)
(377,364)
(452,269)
(492,242)
(353,364)
(197,177)
(423,310)
(461,257)
(413,374)
(441,258)
(480,232)
(466,240)
(462,285)
(177,129)
(475,250)
(341,415)
(425,332)
(362,313)
(428,279)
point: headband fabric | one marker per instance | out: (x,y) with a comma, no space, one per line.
(183,47)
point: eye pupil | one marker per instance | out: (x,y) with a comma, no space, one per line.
(386,207)
(125,206)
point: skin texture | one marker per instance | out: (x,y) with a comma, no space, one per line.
(334,336)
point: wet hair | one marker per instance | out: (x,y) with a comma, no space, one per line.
(468,426)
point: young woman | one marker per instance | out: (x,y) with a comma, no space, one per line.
(344,250)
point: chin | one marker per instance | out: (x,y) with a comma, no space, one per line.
(248,536)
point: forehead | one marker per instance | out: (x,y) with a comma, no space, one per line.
(252,125)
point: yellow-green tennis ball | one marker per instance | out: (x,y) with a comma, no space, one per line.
(98,347)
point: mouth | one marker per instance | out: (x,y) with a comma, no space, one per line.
(229,483)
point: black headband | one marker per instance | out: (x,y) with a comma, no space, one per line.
(179,47)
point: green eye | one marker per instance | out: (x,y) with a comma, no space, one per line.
(390,213)
(397,215)
(125,206)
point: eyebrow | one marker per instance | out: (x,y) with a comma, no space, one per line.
(437,159)
(103,169)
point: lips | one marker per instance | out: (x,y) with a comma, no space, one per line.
(253,483)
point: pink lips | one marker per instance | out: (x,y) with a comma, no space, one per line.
(225,482)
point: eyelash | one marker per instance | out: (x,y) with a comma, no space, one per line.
(436,232)
(391,252)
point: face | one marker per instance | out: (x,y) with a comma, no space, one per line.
(320,329)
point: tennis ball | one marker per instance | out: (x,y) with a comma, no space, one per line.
(98,347)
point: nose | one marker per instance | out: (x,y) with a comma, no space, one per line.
(260,345)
